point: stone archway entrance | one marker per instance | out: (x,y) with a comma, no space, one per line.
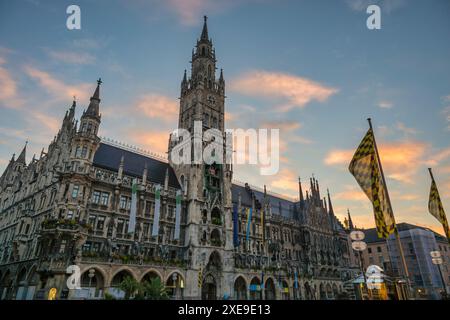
(270,289)
(240,289)
(209,288)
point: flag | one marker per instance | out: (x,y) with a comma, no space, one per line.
(155,229)
(177,215)
(249,222)
(436,208)
(235,226)
(263,213)
(133,209)
(367,172)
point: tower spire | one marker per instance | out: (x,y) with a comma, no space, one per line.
(204,35)
(93,108)
(300,190)
(22,156)
(330,206)
(350,222)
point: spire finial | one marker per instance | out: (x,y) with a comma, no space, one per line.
(350,222)
(204,35)
(99,81)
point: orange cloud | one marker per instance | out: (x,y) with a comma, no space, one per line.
(188,11)
(297,91)
(153,141)
(282,125)
(8,88)
(351,193)
(435,159)
(57,88)
(286,180)
(52,123)
(158,106)
(400,160)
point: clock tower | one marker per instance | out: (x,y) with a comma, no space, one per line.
(206,184)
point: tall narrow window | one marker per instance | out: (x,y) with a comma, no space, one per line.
(75,191)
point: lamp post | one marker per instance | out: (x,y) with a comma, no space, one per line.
(437,260)
(91,274)
(359,246)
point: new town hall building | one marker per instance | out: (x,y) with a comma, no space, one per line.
(72,206)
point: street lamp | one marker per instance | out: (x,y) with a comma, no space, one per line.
(359,246)
(91,275)
(437,260)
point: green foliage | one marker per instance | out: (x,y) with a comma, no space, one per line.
(154,290)
(130,286)
(109,296)
(151,290)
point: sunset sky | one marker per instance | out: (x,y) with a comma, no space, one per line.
(310,68)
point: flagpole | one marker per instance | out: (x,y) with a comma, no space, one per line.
(397,236)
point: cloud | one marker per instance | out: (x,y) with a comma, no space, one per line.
(154,141)
(295,91)
(438,157)
(404,129)
(400,160)
(282,125)
(446,113)
(385,104)
(53,124)
(190,11)
(72,57)
(57,88)
(352,193)
(8,88)
(157,106)
(286,180)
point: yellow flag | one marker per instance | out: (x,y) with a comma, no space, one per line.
(436,208)
(364,167)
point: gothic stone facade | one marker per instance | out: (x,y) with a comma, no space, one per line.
(72,206)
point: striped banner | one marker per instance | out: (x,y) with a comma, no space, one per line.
(133,209)
(235,226)
(200,277)
(249,222)
(155,229)
(177,216)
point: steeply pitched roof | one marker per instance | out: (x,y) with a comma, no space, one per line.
(108,157)
(279,206)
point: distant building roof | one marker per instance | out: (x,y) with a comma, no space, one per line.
(372,237)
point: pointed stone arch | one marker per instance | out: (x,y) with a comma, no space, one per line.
(209,287)
(269,289)
(175,285)
(240,288)
(150,274)
(255,289)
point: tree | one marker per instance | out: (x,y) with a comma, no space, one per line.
(155,290)
(130,286)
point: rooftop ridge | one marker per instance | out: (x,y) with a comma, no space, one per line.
(278,195)
(134,149)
